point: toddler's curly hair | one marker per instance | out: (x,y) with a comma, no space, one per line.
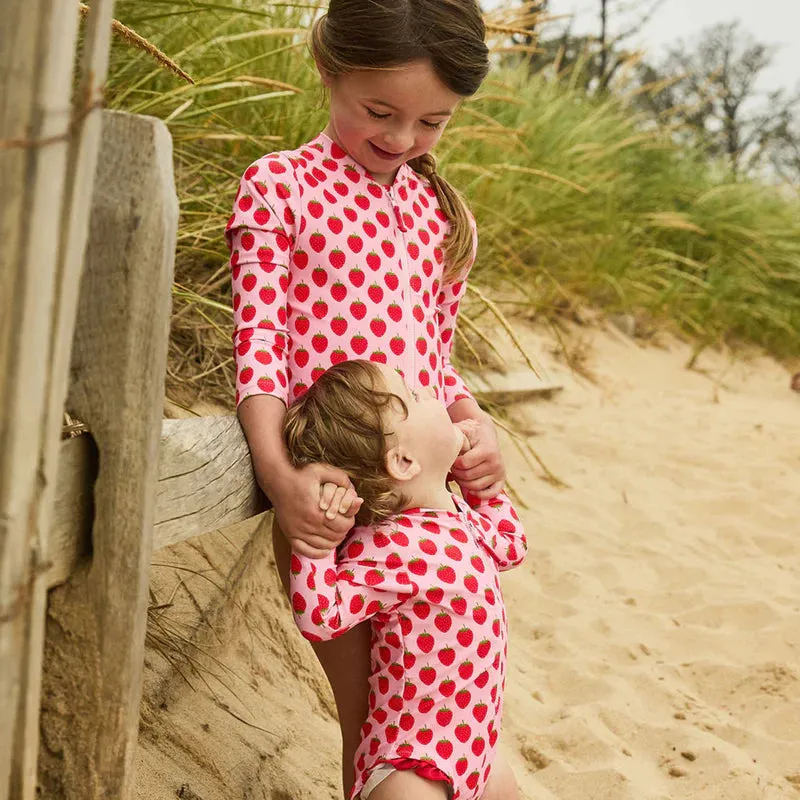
(340,421)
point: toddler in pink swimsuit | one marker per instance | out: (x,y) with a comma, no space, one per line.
(423,565)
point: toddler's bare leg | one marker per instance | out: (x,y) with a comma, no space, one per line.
(502,783)
(408,786)
(346,664)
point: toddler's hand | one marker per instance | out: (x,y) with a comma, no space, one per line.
(335,499)
(480,469)
(469,428)
(296,497)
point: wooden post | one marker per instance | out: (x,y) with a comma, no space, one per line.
(96,621)
(40,181)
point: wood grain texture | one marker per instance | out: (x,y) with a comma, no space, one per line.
(96,620)
(205,483)
(76,174)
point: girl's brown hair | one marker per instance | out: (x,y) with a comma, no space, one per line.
(339,421)
(380,34)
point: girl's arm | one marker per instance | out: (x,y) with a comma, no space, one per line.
(330,596)
(261,236)
(294,493)
(500,529)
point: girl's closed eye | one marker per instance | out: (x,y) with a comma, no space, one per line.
(375,114)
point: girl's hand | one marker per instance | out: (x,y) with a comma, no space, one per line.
(297,497)
(480,470)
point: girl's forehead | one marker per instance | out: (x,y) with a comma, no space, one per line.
(409,86)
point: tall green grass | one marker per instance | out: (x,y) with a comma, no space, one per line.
(577,199)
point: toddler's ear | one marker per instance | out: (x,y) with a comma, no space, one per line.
(401,464)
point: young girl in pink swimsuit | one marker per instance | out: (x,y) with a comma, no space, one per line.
(425,570)
(352,246)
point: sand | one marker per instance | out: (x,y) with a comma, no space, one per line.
(655,627)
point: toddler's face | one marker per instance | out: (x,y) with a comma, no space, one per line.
(426,430)
(384,118)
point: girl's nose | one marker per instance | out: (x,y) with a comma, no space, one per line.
(399,141)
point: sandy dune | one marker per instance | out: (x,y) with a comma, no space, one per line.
(655,625)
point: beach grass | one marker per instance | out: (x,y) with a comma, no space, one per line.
(579,200)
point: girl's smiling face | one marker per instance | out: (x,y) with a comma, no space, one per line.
(384,118)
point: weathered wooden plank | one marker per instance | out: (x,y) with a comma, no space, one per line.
(96,620)
(36,65)
(77,177)
(509,387)
(205,483)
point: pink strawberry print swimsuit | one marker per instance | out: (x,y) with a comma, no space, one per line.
(329,265)
(429,582)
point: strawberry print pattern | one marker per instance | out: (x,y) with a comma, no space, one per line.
(328,265)
(429,581)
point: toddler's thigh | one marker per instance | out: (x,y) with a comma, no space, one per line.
(407,785)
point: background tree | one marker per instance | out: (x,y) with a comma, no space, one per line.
(709,90)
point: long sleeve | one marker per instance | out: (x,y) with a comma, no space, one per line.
(260,234)
(500,530)
(448,302)
(331,595)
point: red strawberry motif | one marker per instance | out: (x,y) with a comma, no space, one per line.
(461,764)
(464,637)
(443,621)
(248,240)
(317,242)
(359,344)
(246,375)
(378,356)
(483,648)
(362,202)
(479,711)
(427,675)
(444,747)
(393,561)
(406,721)
(447,687)
(446,574)
(320,343)
(413,250)
(421,609)
(482,679)
(338,355)
(370,229)
(383,218)
(355,243)
(375,190)
(245,202)
(319,276)
(415,282)
(301,292)
(395,312)
(249,282)
(373,577)
(283,191)
(397,345)
(356,277)
(444,716)
(267,295)
(378,326)
(387,248)
(251,172)
(472,779)
(459,605)
(351,214)
(375,293)
(298,603)
(477,563)
(319,370)
(335,225)
(341,189)
(418,566)
(396,671)
(391,733)
(452,552)
(249,313)
(426,704)
(463,698)
(320,309)
(373,261)
(409,691)
(478,745)
(336,258)
(339,325)
(447,656)
(266,385)
(471,583)
(300,259)
(275,167)
(425,736)
(425,642)
(315,209)
(338,291)
(263,356)
(356,604)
